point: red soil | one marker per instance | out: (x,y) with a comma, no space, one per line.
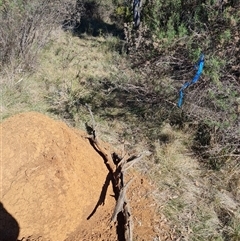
(51,181)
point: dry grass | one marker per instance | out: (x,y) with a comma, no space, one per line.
(23,94)
(66,63)
(200,209)
(70,57)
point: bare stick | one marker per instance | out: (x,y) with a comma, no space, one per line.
(133,161)
(93,121)
(117,171)
(120,201)
(94,141)
(128,222)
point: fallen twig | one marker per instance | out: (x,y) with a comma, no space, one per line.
(120,201)
(117,171)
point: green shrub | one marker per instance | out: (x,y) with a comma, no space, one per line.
(167,45)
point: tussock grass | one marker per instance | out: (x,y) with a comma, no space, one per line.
(23,94)
(66,65)
(70,57)
(199,209)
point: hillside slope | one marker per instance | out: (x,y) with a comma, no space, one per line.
(53,184)
(132,87)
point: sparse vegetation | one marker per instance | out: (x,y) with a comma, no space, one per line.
(57,57)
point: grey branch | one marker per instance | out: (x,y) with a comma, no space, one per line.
(120,202)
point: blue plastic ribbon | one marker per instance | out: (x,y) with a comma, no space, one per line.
(200,66)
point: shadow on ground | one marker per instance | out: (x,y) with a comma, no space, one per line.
(89,19)
(9,227)
(97,27)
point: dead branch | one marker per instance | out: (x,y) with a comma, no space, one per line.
(94,141)
(128,229)
(134,160)
(117,171)
(93,121)
(128,223)
(120,202)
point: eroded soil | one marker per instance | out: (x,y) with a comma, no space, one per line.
(55,186)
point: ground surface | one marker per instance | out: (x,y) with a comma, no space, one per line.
(52,180)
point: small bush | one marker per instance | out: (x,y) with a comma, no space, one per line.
(25,28)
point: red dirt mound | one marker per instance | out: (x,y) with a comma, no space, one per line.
(51,180)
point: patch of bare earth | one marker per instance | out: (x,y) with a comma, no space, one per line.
(54,186)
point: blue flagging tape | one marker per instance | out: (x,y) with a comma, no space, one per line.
(200,66)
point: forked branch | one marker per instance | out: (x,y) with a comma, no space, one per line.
(117,172)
